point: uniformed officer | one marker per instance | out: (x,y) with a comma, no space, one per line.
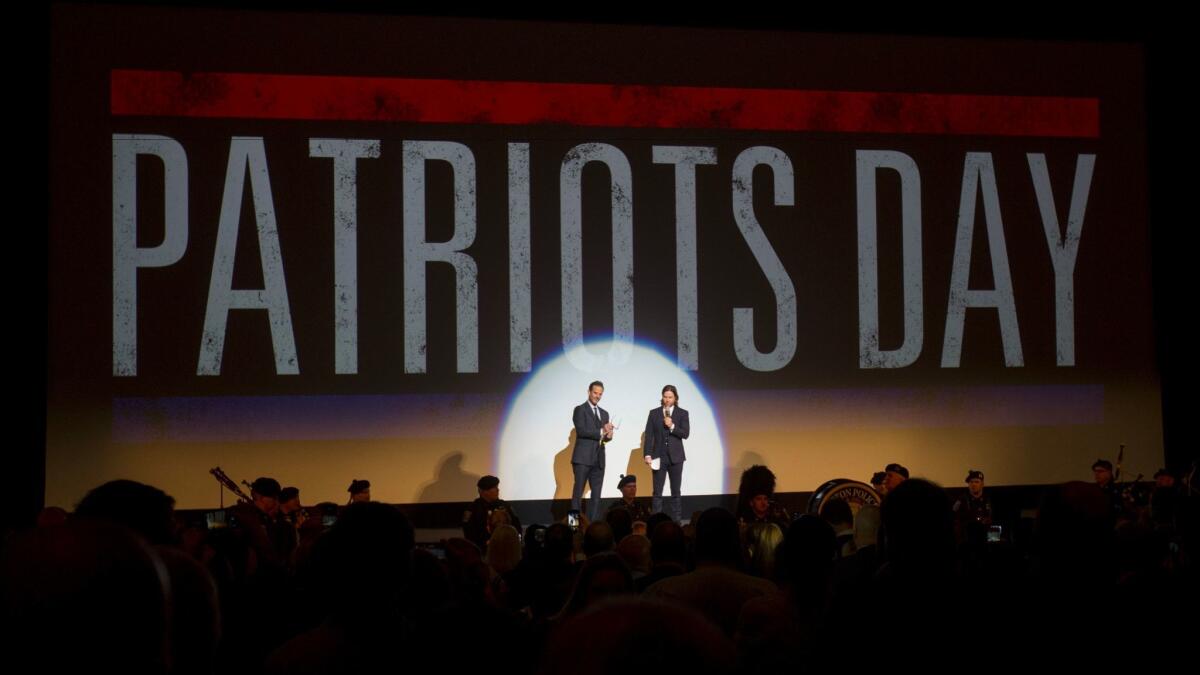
(477,519)
(973,511)
(628,487)
(756,503)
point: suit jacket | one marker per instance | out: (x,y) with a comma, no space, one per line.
(588,451)
(661,442)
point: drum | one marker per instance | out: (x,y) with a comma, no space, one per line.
(854,493)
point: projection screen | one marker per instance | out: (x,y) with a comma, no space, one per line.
(323,247)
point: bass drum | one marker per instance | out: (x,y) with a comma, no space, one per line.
(855,493)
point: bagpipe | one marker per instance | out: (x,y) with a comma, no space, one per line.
(228,484)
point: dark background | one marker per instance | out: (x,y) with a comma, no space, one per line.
(1170,228)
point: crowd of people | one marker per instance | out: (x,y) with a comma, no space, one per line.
(278,588)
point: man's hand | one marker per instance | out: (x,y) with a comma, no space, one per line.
(648,460)
(668,422)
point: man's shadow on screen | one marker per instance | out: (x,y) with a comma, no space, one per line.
(564,474)
(636,466)
(564,480)
(733,473)
(450,483)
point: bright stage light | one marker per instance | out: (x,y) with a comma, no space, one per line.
(533,452)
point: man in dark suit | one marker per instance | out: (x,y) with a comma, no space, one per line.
(592,431)
(666,427)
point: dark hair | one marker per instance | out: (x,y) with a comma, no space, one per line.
(630,629)
(597,383)
(94,587)
(592,568)
(598,538)
(143,508)
(559,542)
(808,550)
(621,522)
(717,537)
(918,527)
(266,487)
(667,542)
(289,493)
(837,511)
(671,388)
(367,553)
(357,486)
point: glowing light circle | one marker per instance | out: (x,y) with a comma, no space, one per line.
(538,425)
